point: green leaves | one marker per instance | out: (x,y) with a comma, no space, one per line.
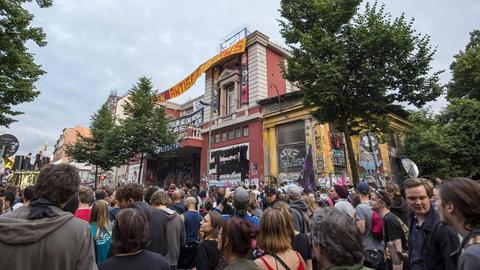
(18,71)
(447,144)
(465,82)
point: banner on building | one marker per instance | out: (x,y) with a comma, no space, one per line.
(230,163)
(181,124)
(307,178)
(181,87)
(244,85)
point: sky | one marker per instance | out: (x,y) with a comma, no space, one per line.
(98,46)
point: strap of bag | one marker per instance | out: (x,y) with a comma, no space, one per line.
(280,261)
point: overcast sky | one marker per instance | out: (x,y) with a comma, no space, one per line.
(95,46)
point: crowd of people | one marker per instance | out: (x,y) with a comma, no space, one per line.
(58,224)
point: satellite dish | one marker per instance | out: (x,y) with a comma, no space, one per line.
(410,167)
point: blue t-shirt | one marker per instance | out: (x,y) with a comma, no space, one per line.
(192,221)
(102,244)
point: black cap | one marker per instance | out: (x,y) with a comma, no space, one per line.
(270,191)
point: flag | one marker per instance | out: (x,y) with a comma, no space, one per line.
(308,179)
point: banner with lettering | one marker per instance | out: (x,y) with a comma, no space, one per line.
(188,82)
(244,85)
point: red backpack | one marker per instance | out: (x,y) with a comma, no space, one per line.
(377,226)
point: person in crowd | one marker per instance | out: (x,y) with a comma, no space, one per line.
(148,194)
(336,240)
(27,196)
(299,240)
(85,197)
(101,230)
(178,205)
(192,220)
(311,204)
(430,241)
(175,227)
(275,239)
(100,194)
(131,196)
(240,204)
(42,235)
(395,231)
(298,207)
(234,243)
(208,255)
(458,205)
(253,207)
(342,203)
(399,205)
(207,206)
(8,201)
(373,248)
(129,244)
(270,197)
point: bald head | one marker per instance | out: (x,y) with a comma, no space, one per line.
(191,203)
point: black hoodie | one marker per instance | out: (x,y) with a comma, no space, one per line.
(157,224)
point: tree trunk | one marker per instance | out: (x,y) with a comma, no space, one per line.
(96,176)
(351,157)
(140,172)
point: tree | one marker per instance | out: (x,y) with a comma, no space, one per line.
(144,130)
(18,71)
(447,144)
(100,148)
(465,82)
(353,67)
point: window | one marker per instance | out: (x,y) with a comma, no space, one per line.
(224,136)
(230,134)
(217,137)
(238,133)
(245,131)
(230,99)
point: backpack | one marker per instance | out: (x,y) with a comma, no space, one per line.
(377,226)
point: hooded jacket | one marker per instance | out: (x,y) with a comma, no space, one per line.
(157,225)
(175,236)
(299,210)
(55,243)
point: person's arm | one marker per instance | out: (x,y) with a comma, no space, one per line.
(360,219)
(309,265)
(221,206)
(398,247)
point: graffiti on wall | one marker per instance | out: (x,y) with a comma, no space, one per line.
(369,154)
(291,158)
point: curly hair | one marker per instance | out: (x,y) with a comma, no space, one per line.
(130,232)
(338,236)
(57,183)
(160,198)
(130,191)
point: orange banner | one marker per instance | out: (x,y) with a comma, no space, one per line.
(188,82)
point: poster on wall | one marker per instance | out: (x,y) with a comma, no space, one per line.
(291,158)
(230,163)
(369,154)
(133,171)
(244,84)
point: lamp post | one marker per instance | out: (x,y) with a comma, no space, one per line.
(209,136)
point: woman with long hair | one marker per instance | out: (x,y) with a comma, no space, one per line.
(299,240)
(208,256)
(275,239)
(130,239)
(235,241)
(101,230)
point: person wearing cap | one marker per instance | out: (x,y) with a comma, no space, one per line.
(298,207)
(373,248)
(393,227)
(342,203)
(241,199)
(270,197)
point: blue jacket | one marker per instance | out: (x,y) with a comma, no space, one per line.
(440,241)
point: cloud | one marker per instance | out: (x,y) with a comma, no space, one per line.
(98,46)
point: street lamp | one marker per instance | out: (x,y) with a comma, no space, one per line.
(209,136)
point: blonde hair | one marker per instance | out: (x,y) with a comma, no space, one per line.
(311,203)
(99,216)
(284,209)
(274,236)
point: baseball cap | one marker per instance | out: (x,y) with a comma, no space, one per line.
(270,191)
(363,187)
(240,197)
(294,191)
